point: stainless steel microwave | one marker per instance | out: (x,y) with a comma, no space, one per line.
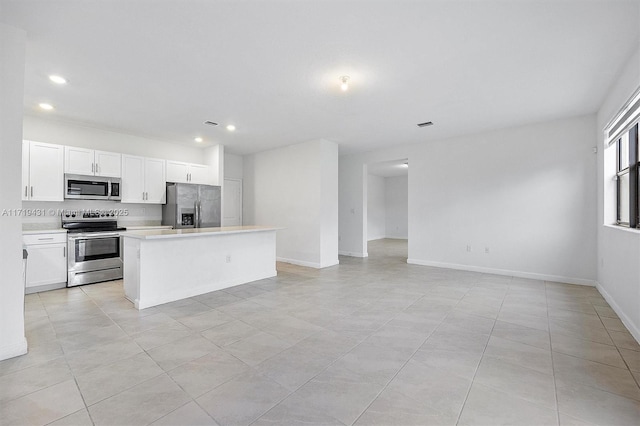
(80,187)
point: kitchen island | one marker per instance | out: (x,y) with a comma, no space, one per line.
(166,265)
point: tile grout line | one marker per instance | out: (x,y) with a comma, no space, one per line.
(553,367)
(473,379)
(404,364)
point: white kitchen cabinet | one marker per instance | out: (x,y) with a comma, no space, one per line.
(143,180)
(82,161)
(180,172)
(42,171)
(47,261)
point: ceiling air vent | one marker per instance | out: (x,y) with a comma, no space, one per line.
(211,123)
(425,124)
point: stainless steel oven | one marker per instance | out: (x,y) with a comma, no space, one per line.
(94,248)
(93,257)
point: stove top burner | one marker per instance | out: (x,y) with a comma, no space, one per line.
(76,221)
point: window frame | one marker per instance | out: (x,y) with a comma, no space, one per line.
(633,170)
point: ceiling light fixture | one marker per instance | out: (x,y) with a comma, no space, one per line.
(405,164)
(210,123)
(344,86)
(231,127)
(425,124)
(57,79)
(47,107)
(198,139)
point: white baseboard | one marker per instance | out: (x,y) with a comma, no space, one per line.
(633,328)
(353,254)
(519,274)
(315,265)
(13,350)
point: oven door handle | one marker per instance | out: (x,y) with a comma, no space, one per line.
(91,235)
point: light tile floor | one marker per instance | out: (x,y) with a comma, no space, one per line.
(369,342)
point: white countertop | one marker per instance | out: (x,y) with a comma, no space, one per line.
(44,231)
(194,232)
(147,227)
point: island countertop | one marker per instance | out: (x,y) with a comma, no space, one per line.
(194,232)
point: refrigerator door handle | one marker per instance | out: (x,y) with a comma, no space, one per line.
(196,212)
(199,214)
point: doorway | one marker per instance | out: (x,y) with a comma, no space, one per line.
(387,230)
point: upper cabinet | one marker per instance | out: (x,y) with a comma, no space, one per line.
(42,171)
(178,171)
(143,180)
(82,161)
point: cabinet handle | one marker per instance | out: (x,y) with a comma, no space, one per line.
(32,191)
(45,239)
(97,168)
(26,190)
(93,167)
(64,252)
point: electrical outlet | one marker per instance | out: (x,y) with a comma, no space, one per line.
(228,258)
(486,250)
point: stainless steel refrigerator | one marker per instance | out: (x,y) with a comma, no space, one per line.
(191,206)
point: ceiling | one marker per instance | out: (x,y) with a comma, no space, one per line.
(271,68)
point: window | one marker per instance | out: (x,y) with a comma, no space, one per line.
(621,139)
(627,175)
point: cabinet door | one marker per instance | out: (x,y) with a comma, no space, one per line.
(177,171)
(46,172)
(132,179)
(47,264)
(25,170)
(199,174)
(79,161)
(155,181)
(108,164)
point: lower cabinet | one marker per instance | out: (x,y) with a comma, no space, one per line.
(46,262)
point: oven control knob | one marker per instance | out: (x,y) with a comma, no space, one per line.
(102,215)
(73,215)
(66,215)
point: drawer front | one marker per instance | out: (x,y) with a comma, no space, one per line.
(59,237)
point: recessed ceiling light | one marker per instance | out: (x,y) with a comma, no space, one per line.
(47,107)
(58,79)
(198,139)
(344,86)
(405,164)
(231,127)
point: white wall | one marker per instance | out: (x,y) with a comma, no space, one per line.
(12,58)
(618,249)
(376,207)
(233,166)
(396,200)
(526,193)
(295,188)
(214,158)
(328,203)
